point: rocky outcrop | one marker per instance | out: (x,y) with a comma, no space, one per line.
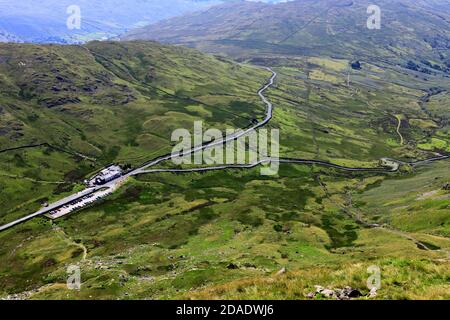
(59,101)
(339,294)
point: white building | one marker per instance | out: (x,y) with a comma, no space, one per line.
(107,175)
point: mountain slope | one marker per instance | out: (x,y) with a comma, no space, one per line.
(113,102)
(409,30)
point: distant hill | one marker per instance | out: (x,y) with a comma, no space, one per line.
(25,21)
(410,30)
(46,22)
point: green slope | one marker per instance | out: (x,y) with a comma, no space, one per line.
(111,102)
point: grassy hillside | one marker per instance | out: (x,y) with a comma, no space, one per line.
(109,102)
(225,235)
(327,110)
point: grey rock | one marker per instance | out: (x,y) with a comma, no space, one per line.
(319,289)
(328,293)
(310,295)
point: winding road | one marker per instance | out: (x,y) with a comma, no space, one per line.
(146,167)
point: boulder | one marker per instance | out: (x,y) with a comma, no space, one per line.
(351,293)
(347,293)
(310,295)
(319,289)
(327,293)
